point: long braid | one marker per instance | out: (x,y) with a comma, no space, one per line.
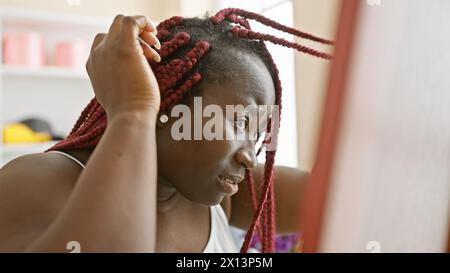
(251,187)
(178,76)
(84,115)
(269,223)
(249,34)
(94,115)
(256,217)
(226,13)
(244,31)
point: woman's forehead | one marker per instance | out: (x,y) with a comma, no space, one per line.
(251,83)
(243,93)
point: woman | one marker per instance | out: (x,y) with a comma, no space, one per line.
(120,182)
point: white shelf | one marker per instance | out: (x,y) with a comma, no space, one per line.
(16,16)
(23,148)
(45,71)
(55,94)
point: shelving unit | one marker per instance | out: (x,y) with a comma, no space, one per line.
(45,72)
(26,92)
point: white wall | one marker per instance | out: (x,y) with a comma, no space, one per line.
(105,8)
(318,17)
(45,94)
(391,181)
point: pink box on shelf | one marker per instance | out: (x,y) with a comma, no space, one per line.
(71,54)
(23,48)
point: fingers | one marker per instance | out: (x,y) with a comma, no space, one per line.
(132,31)
(131,27)
(147,40)
(149,52)
(97,40)
(142,23)
(114,29)
(150,39)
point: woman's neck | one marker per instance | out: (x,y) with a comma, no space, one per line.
(168,197)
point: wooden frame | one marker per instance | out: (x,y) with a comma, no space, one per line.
(313,206)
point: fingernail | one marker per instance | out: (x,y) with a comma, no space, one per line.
(157,58)
(158,45)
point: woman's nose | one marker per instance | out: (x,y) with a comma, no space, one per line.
(247,157)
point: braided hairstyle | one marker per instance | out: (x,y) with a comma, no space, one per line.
(193,49)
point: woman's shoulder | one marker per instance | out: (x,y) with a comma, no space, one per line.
(47,168)
(33,189)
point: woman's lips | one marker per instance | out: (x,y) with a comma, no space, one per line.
(229,184)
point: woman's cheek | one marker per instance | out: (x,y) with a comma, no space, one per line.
(219,150)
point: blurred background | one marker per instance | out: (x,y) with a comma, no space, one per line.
(44,86)
(391,184)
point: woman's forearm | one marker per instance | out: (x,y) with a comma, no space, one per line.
(113,204)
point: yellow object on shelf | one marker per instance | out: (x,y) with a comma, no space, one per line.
(20,133)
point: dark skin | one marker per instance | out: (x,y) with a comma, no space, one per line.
(187,177)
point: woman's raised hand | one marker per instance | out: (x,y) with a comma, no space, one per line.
(121,77)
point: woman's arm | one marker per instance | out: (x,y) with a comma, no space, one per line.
(289,188)
(112,206)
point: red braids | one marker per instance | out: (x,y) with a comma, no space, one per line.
(177,77)
(266,206)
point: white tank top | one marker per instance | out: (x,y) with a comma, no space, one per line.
(220,237)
